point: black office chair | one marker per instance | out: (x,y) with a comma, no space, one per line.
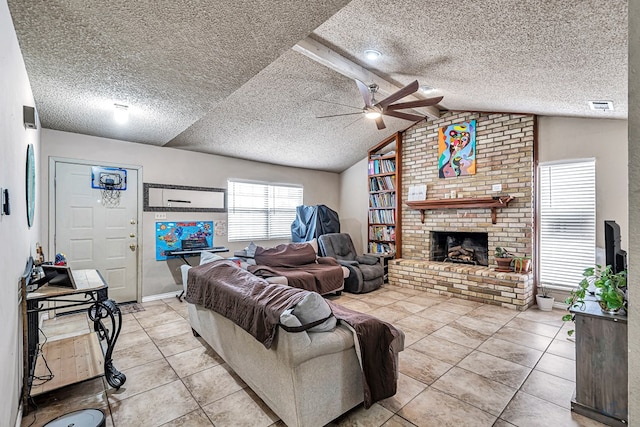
(365,271)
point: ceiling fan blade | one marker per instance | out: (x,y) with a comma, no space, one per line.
(365,92)
(401,115)
(380,123)
(405,91)
(338,115)
(415,104)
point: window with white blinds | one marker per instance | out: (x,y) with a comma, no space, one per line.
(567,221)
(261,211)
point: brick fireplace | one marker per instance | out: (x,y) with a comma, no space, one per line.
(504,155)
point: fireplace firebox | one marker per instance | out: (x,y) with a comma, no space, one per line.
(460,247)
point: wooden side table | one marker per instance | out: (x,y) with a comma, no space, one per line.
(601,365)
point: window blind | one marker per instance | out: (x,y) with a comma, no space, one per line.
(567,221)
(261,211)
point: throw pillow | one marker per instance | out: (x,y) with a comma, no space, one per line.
(312,308)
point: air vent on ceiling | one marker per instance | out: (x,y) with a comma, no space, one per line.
(601,105)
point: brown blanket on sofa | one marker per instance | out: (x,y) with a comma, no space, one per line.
(256,305)
(297,262)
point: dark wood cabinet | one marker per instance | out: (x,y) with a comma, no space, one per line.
(601,365)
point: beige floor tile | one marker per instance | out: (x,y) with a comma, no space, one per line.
(360,417)
(130,324)
(389,314)
(496,369)
(407,306)
(438,315)
(476,390)
(441,349)
(553,317)
(193,419)
(490,313)
(418,323)
(427,302)
(421,367)
(432,408)
(472,323)
(357,305)
(196,360)
(172,329)
(156,406)
(381,300)
(148,304)
(398,421)
(212,384)
(461,335)
(533,327)
(453,307)
(407,389)
(411,335)
(143,378)
(550,388)
(524,338)
(465,302)
(503,423)
(240,409)
(135,356)
(177,344)
(529,411)
(558,366)
(160,319)
(564,348)
(132,339)
(511,351)
(392,293)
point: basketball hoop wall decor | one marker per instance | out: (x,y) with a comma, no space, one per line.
(111,182)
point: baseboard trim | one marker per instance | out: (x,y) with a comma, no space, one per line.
(161,296)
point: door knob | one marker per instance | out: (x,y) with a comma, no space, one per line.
(132,247)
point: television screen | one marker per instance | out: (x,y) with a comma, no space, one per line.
(614,255)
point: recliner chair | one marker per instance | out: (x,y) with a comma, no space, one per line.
(365,271)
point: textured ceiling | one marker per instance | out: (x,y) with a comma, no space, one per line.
(221,77)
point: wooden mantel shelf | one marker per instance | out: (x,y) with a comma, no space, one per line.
(462,203)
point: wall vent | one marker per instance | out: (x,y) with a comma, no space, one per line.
(601,105)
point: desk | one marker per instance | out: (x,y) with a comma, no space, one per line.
(83,357)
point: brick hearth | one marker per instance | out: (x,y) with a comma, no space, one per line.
(475,283)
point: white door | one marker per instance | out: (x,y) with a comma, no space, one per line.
(94,236)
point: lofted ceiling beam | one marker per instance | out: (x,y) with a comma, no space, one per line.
(327,57)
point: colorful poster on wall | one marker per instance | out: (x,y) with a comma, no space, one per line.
(172,236)
(457,150)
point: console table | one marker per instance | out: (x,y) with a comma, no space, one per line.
(80,357)
(601,365)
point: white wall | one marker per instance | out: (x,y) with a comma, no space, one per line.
(172,166)
(564,138)
(634,215)
(18,241)
(354,200)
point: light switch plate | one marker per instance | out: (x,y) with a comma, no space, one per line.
(161,215)
(496,187)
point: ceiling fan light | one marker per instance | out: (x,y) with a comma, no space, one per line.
(372,115)
(372,54)
(427,89)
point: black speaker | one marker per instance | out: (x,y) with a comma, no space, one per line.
(29,117)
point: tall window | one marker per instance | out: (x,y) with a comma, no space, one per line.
(567,221)
(261,211)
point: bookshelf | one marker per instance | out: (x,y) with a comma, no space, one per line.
(384,180)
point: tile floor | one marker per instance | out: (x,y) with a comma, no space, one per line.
(464,364)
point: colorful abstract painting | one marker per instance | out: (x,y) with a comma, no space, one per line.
(457,150)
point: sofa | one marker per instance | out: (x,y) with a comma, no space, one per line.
(307,378)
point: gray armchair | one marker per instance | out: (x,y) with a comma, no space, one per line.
(365,272)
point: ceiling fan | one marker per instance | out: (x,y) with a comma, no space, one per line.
(376,109)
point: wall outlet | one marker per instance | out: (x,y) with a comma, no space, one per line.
(496,187)
(161,215)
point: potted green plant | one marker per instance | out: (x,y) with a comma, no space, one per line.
(503,259)
(521,264)
(610,290)
(543,299)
